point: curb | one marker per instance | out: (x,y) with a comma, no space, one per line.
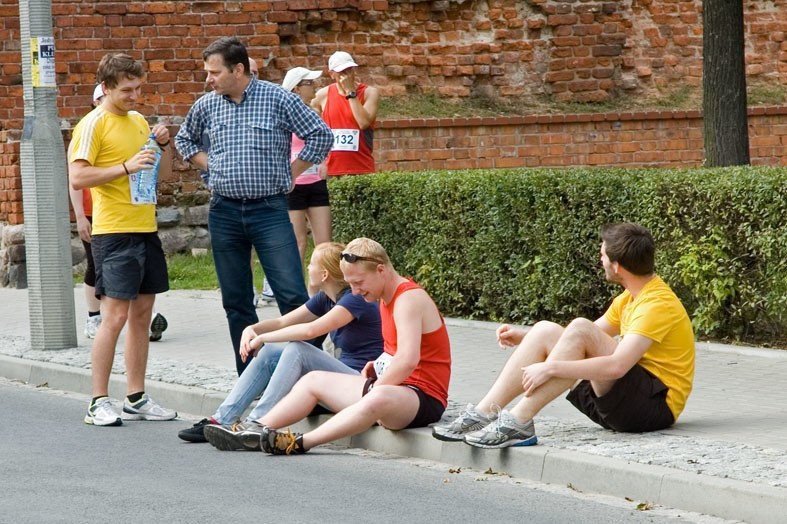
(725,498)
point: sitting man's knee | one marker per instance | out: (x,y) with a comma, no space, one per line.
(581,325)
(545,327)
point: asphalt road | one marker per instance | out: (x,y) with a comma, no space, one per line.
(55,469)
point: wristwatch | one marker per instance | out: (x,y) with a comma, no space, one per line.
(351,94)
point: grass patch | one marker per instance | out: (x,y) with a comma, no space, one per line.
(684,97)
(191,272)
(764,94)
(432,106)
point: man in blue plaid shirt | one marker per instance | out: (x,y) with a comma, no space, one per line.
(250,124)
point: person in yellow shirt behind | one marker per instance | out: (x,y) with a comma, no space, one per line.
(631,370)
(107,155)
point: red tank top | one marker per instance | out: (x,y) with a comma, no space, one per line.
(87,202)
(433,372)
(338,115)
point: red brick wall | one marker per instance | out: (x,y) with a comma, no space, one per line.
(580,50)
(653,139)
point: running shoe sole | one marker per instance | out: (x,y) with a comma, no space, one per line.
(92,422)
(158,326)
(142,416)
(510,443)
(225,439)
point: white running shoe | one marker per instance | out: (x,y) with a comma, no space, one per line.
(91,326)
(103,413)
(266,295)
(146,409)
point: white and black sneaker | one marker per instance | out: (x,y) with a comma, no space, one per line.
(146,409)
(102,413)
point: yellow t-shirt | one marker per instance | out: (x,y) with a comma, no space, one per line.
(105,139)
(657,313)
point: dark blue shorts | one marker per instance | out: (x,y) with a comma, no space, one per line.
(129,264)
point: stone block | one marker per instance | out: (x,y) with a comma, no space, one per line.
(16,253)
(196,215)
(14,234)
(17,276)
(168,216)
(176,240)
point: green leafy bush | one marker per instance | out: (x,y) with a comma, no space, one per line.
(522,245)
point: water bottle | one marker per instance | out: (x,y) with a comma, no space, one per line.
(143,187)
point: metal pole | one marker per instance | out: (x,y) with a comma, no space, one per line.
(44,187)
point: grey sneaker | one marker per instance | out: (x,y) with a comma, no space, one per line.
(147,409)
(240,436)
(91,326)
(504,432)
(468,420)
(102,413)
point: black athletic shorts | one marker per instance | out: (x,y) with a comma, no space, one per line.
(429,408)
(305,196)
(637,402)
(129,264)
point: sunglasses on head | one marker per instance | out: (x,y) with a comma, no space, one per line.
(352,258)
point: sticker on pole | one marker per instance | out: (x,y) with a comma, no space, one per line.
(42,50)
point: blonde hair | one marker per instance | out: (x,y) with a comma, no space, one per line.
(327,256)
(367,248)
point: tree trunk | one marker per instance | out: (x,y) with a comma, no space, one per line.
(725,124)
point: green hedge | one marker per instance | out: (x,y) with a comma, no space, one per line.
(522,245)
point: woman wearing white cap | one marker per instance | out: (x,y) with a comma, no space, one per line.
(349,107)
(309,199)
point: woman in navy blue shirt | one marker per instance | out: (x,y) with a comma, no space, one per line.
(280,356)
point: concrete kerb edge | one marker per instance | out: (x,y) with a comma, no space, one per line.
(725,498)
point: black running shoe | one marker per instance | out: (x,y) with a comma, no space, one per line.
(195,433)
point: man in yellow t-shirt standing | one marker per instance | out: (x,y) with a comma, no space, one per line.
(630,370)
(107,155)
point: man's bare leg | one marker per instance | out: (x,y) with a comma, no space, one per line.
(138,342)
(535,347)
(114,315)
(580,340)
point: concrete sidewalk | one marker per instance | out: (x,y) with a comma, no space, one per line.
(724,457)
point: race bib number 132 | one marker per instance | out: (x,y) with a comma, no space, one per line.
(345,139)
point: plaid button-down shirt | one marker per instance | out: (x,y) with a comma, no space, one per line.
(249,153)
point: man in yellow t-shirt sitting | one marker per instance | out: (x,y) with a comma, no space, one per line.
(630,370)
(106,154)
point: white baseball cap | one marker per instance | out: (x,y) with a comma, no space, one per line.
(297,75)
(340,60)
(98,93)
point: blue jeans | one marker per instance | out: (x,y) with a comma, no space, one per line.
(275,370)
(237,226)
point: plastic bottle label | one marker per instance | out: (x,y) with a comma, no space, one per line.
(143,183)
